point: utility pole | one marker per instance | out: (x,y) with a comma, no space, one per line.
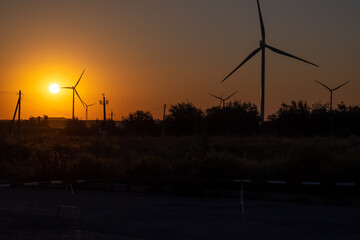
(163,122)
(104,102)
(17,110)
(112,115)
(164,112)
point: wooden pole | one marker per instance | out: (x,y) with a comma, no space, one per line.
(19,112)
(164,112)
(104,104)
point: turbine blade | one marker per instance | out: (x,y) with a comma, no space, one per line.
(243,62)
(261,22)
(288,55)
(230,96)
(79,78)
(323,85)
(340,86)
(215,96)
(67,87)
(82,102)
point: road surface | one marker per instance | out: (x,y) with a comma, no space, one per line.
(29,213)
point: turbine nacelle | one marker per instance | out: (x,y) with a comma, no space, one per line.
(262,44)
(222,100)
(331,90)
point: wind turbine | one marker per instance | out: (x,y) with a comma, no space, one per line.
(262,47)
(86,106)
(74,91)
(222,100)
(331,90)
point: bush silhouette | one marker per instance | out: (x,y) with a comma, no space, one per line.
(184,119)
(298,119)
(319,120)
(140,123)
(345,120)
(291,119)
(234,118)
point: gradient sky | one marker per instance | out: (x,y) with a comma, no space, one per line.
(143,54)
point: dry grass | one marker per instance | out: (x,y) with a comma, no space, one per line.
(48,158)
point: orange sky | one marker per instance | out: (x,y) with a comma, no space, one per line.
(143,54)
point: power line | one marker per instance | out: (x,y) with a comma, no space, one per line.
(42,106)
(8,92)
(156,109)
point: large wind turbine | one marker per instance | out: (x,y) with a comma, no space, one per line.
(222,100)
(86,106)
(331,90)
(74,91)
(262,47)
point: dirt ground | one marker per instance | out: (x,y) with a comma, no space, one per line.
(29,213)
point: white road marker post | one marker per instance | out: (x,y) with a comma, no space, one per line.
(242,197)
(75,201)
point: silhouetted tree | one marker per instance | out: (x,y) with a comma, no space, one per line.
(292,119)
(297,119)
(184,119)
(234,118)
(141,123)
(346,120)
(320,120)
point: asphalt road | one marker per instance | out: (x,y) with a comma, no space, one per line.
(29,213)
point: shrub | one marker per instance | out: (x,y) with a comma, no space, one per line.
(292,119)
(234,118)
(184,119)
(141,123)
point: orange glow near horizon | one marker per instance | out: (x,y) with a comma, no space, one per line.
(143,55)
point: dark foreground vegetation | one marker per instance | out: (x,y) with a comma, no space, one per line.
(297,143)
(297,159)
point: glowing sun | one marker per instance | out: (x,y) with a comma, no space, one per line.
(54,88)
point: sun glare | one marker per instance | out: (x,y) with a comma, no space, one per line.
(54,88)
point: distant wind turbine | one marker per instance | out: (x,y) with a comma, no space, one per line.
(331,90)
(222,100)
(262,47)
(86,106)
(74,91)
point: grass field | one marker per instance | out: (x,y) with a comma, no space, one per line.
(48,158)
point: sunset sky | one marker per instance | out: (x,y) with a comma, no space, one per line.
(143,54)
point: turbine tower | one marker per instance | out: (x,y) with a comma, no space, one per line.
(331,90)
(222,100)
(262,47)
(87,106)
(74,91)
